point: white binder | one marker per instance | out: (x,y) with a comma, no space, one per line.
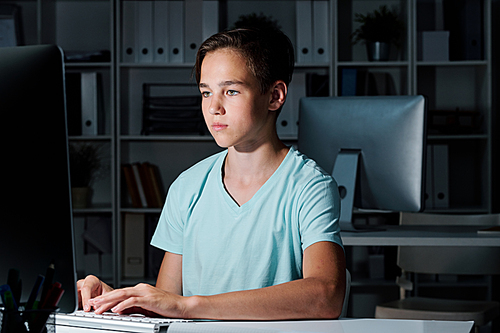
(193,10)
(289,116)
(210,18)
(176,31)
(90,103)
(321,32)
(144,40)
(133,245)
(129,10)
(160,31)
(304,31)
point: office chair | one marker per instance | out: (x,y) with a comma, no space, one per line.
(343,314)
(445,260)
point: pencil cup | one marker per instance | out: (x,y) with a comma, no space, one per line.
(30,321)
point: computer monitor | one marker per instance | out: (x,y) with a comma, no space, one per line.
(374,146)
(36,214)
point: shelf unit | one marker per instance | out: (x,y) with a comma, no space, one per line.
(78,27)
(86,25)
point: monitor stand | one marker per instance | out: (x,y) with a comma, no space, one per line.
(345,172)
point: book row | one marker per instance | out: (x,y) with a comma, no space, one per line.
(143,181)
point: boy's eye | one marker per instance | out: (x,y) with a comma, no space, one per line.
(206,94)
(232,92)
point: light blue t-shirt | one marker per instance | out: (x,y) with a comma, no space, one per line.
(226,247)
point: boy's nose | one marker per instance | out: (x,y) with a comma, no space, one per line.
(216,108)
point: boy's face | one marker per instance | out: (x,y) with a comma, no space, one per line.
(235,111)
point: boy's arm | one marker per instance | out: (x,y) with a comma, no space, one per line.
(170,275)
(319,294)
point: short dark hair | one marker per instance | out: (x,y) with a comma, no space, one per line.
(269,53)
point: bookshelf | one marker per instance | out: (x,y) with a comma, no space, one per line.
(89,25)
(81,28)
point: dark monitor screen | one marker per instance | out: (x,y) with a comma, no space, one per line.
(36,219)
(376,144)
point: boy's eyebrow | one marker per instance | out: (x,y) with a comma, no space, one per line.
(223,84)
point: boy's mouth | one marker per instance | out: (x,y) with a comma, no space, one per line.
(218,127)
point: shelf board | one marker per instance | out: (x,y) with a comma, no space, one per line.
(191,138)
(90,138)
(435,137)
(452,63)
(87,64)
(309,65)
(94,210)
(373,63)
(141,210)
(156,65)
(458,210)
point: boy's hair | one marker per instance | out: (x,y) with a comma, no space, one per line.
(269,53)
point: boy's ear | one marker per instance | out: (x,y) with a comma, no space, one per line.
(278,95)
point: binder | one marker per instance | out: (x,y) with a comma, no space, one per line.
(210,18)
(440,165)
(74,103)
(129,53)
(134,245)
(90,103)
(321,33)
(176,31)
(463,18)
(349,81)
(140,185)
(160,31)
(287,124)
(429,179)
(304,31)
(144,40)
(193,10)
(473,30)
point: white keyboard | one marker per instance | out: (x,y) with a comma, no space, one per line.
(126,317)
(90,322)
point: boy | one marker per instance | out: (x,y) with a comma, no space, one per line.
(250,233)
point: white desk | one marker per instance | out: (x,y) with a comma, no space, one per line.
(422,236)
(324,326)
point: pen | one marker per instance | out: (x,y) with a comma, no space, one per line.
(15,284)
(7,298)
(47,283)
(11,321)
(34,292)
(53,296)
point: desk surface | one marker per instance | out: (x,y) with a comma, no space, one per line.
(422,236)
(323,326)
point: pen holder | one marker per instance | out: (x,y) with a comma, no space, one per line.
(29,321)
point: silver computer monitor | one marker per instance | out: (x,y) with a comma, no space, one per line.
(36,214)
(374,146)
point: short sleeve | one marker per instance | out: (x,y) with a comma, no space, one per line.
(319,212)
(169,232)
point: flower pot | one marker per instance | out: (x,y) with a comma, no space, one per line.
(378,51)
(80,197)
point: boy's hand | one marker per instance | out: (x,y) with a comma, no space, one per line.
(89,288)
(143,298)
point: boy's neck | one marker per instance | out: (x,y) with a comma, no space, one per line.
(244,173)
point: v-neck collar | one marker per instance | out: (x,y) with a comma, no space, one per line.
(250,203)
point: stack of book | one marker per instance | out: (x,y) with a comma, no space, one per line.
(144,185)
(180,114)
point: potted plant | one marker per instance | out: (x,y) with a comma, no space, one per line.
(379,30)
(85,165)
(260,21)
